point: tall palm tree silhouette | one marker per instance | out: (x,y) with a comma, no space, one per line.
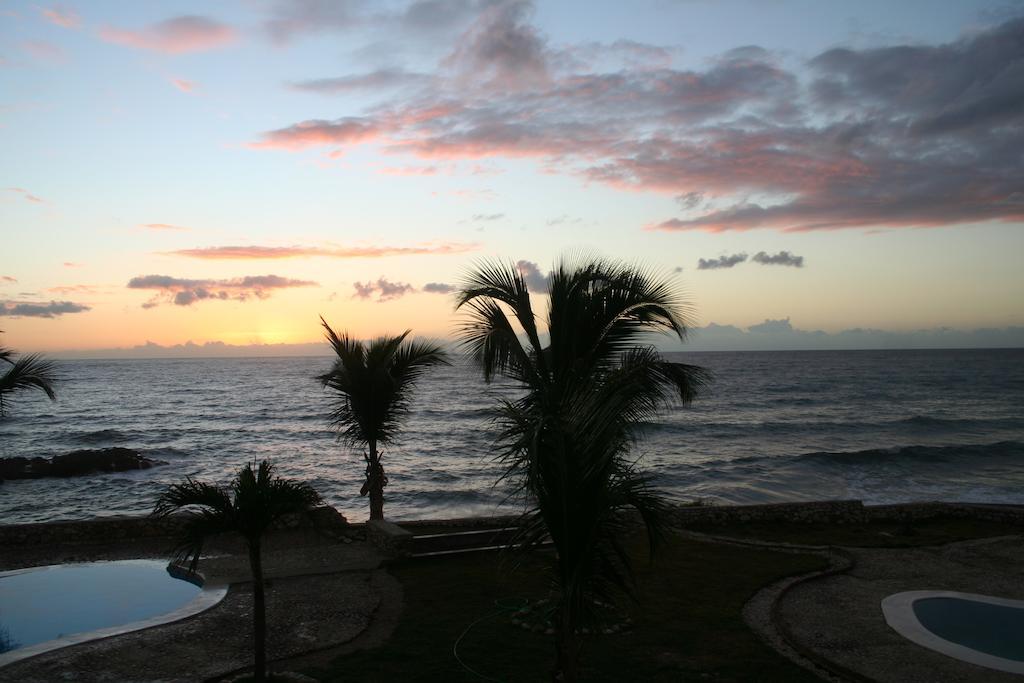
(566,442)
(372,385)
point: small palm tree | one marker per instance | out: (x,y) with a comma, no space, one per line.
(566,442)
(373,384)
(248,507)
(25,373)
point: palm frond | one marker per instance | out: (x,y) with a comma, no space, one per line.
(28,372)
(253,502)
(372,383)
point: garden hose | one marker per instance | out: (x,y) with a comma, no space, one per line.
(504,605)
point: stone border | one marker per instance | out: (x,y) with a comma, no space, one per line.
(209,596)
(841,512)
(898,609)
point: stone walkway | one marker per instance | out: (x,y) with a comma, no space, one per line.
(322,594)
(839,618)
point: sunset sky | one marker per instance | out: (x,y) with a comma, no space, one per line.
(227,172)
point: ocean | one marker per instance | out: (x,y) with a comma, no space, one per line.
(880,426)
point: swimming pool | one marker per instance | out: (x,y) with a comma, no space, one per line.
(44,608)
(980,629)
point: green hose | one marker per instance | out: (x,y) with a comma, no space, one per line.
(503,605)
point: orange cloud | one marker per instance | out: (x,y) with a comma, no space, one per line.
(258,252)
(174,36)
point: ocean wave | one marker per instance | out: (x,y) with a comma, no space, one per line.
(99,436)
(934,454)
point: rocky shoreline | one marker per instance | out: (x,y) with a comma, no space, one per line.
(76,464)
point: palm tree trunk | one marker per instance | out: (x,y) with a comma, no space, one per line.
(375,482)
(259,613)
(568,647)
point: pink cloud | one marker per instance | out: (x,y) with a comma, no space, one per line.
(27,195)
(7,278)
(252,252)
(174,36)
(896,136)
(184,86)
(162,226)
(316,133)
(61,16)
(72,264)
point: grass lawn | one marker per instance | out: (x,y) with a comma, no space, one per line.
(687,623)
(875,534)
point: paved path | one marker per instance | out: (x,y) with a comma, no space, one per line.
(840,617)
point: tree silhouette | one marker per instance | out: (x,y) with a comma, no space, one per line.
(566,442)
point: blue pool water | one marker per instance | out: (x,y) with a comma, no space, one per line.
(996,630)
(44,603)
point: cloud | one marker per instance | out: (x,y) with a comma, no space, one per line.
(75,289)
(564,219)
(7,278)
(61,16)
(259,252)
(383,288)
(27,195)
(315,133)
(783,258)
(501,49)
(374,80)
(184,292)
(536,280)
(162,226)
(178,35)
(71,264)
(409,170)
(292,17)
(184,86)
(781,334)
(44,51)
(721,262)
(906,135)
(439,288)
(690,200)
(488,216)
(772,326)
(52,309)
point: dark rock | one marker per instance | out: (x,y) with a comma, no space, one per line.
(76,463)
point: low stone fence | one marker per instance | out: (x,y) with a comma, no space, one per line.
(840,512)
(116,529)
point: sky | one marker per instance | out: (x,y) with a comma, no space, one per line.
(196,177)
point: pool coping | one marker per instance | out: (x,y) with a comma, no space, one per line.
(899,615)
(210,595)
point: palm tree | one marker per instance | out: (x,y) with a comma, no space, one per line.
(566,441)
(248,506)
(24,373)
(373,384)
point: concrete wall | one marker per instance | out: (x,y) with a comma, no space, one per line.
(114,529)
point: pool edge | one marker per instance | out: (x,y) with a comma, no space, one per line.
(209,596)
(899,615)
